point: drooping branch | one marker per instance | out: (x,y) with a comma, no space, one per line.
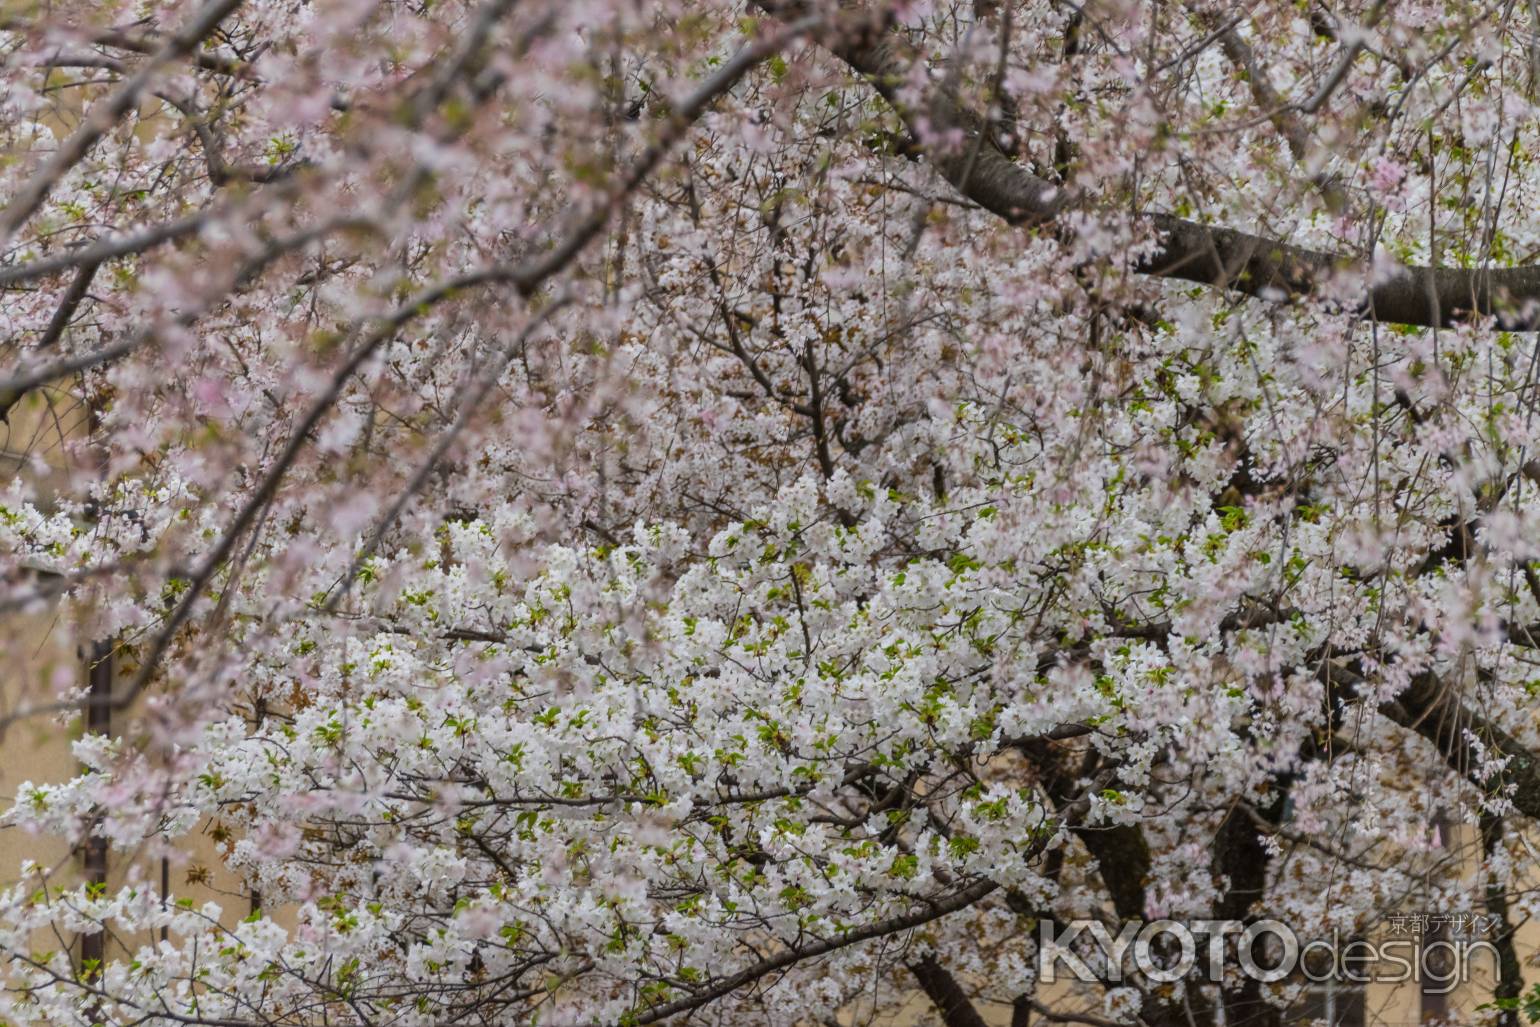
(106,114)
(1462,736)
(1225,258)
(525,279)
(1470,744)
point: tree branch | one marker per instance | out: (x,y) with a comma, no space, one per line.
(945,993)
(933,910)
(1224,258)
(1433,710)
(104,115)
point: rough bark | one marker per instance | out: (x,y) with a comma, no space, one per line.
(1434,710)
(945,993)
(1225,258)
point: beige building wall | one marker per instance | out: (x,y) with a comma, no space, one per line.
(41,654)
(38,650)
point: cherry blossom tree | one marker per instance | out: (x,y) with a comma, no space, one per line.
(620,512)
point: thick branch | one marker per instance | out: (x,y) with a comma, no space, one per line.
(1120,850)
(1432,709)
(148,45)
(945,993)
(1254,265)
(68,304)
(1435,711)
(933,910)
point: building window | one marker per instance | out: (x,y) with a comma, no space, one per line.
(1326,998)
